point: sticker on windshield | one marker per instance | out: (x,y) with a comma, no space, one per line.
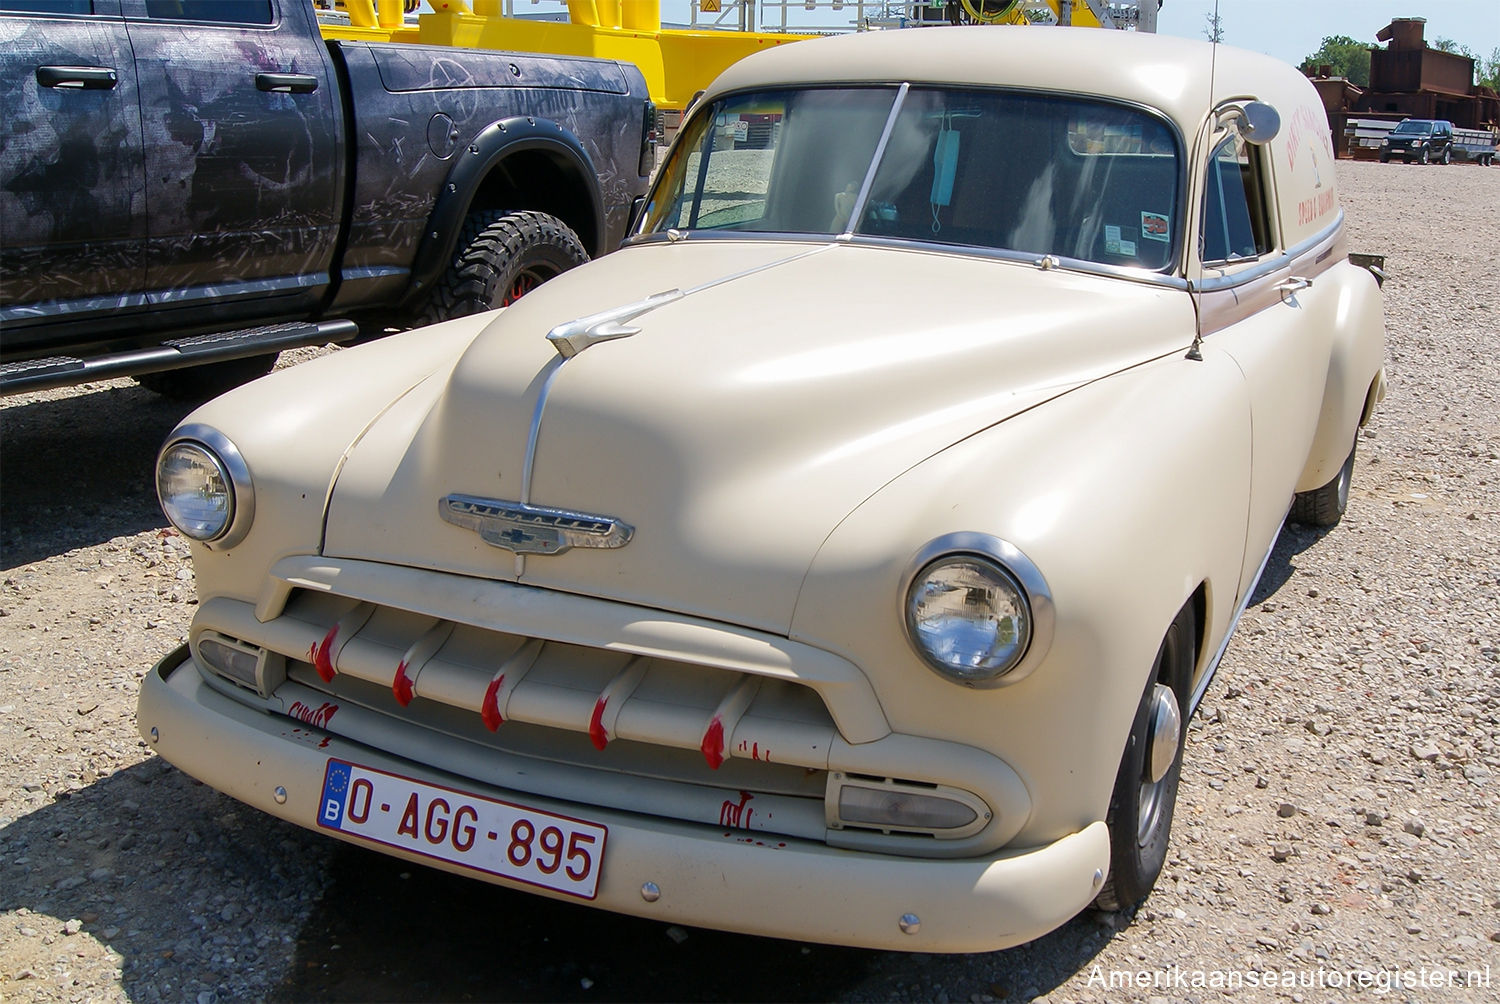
(1154,227)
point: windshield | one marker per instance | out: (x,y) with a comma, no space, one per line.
(1076,178)
(1414,125)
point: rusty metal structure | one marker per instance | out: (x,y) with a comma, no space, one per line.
(1408,79)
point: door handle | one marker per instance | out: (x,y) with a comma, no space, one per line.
(286,83)
(1292,284)
(81,78)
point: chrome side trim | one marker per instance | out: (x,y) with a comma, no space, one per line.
(554,367)
(1012,560)
(1272,264)
(235,469)
(1213,664)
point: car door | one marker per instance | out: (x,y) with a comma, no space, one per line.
(1261,305)
(72,184)
(243,168)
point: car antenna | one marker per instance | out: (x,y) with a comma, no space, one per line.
(1195,351)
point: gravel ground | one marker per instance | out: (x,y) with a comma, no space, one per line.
(1338,810)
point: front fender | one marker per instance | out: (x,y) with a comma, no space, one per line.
(1127,494)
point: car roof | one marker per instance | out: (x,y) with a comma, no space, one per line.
(1171,74)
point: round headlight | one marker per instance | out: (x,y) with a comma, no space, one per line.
(204,486)
(969,618)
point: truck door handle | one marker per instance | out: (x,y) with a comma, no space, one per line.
(82,78)
(286,83)
(1291,284)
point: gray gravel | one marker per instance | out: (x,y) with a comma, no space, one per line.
(1338,809)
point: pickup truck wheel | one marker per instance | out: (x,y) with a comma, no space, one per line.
(1325,506)
(501,257)
(199,383)
(1140,810)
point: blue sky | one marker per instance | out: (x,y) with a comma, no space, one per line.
(1286,29)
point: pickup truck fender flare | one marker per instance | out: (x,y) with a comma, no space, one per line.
(491,146)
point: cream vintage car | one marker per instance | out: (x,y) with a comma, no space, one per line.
(841,559)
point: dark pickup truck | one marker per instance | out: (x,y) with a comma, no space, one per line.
(202,183)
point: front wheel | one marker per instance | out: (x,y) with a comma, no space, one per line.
(500,258)
(1426,157)
(1140,809)
(1448,155)
(1385,158)
(1325,506)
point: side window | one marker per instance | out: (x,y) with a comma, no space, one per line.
(48,6)
(1235,223)
(222,11)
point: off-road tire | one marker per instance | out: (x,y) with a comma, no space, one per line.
(1137,852)
(1325,506)
(501,257)
(199,383)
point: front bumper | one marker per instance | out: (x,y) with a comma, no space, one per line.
(708,877)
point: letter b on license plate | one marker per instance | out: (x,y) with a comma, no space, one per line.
(482,834)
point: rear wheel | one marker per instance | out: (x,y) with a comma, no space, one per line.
(1140,809)
(1325,506)
(501,257)
(198,383)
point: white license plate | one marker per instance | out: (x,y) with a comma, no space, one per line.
(482,834)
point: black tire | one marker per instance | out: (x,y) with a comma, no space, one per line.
(1448,155)
(1385,158)
(1325,506)
(1140,809)
(501,257)
(1426,157)
(199,383)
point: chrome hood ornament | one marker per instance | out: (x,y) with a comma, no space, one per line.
(529,529)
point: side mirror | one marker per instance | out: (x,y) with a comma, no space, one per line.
(1257,122)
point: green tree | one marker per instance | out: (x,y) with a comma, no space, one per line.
(1213,29)
(1487,70)
(1348,58)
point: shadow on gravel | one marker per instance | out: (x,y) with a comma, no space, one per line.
(194,890)
(389,930)
(1295,538)
(79,470)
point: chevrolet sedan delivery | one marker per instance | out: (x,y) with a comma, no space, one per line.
(840,560)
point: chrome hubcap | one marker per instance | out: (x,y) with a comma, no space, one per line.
(1162,741)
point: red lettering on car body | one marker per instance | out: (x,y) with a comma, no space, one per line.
(731,814)
(319,716)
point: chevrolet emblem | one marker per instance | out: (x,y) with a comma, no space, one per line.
(529,529)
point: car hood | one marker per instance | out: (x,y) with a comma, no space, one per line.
(741,422)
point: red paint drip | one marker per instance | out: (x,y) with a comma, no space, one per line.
(401,686)
(490,709)
(596,725)
(321,660)
(713,743)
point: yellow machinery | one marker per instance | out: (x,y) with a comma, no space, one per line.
(676,63)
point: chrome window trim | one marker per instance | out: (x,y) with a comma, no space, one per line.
(242,501)
(858,210)
(1012,560)
(1270,264)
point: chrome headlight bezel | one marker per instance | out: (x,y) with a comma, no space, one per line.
(1023,575)
(232,469)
